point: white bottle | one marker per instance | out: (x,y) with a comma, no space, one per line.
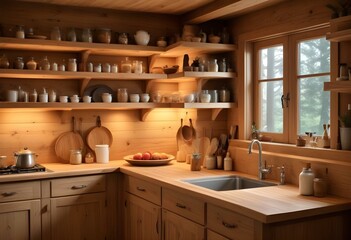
(306,180)
(228,163)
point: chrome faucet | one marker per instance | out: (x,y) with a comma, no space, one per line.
(261,170)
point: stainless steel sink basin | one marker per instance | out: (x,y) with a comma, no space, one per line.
(227,183)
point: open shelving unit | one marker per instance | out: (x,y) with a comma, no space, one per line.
(87,49)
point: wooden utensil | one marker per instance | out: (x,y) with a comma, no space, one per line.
(68,141)
(99,135)
(179,134)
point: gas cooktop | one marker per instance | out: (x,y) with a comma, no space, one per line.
(16,170)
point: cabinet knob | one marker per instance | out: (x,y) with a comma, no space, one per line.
(141,189)
(180,205)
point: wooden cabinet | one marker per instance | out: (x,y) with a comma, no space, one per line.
(75,208)
(20,211)
(229,224)
(175,227)
(183,216)
(215,236)
(142,219)
(142,210)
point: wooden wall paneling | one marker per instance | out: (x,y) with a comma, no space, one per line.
(43,17)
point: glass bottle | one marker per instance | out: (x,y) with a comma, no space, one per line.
(18,64)
(55,34)
(71,35)
(306,180)
(20,32)
(4,62)
(45,64)
(72,65)
(33,96)
(122,95)
(87,35)
(225,36)
(212,65)
(90,67)
(222,66)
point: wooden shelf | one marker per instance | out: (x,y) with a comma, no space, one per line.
(339,36)
(92,48)
(145,108)
(174,50)
(338,86)
(181,48)
(41,74)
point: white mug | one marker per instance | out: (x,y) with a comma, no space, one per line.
(106,98)
(102,153)
(12,95)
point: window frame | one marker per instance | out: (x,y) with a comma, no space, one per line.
(290,80)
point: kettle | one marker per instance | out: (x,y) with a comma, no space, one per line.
(142,37)
(25,158)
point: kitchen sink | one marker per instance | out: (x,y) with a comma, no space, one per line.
(227,183)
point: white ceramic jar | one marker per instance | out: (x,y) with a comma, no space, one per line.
(306,178)
(142,37)
(72,65)
(102,153)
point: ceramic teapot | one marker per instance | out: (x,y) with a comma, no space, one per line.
(142,37)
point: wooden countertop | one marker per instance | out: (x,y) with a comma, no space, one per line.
(267,204)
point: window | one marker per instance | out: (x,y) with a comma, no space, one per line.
(289,76)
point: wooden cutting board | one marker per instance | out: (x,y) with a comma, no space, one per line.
(99,135)
(68,141)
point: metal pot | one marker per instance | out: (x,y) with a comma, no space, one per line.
(25,158)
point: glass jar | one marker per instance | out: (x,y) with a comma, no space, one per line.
(55,34)
(18,64)
(87,36)
(71,35)
(122,95)
(214,95)
(103,35)
(224,95)
(4,62)
(137,67)
(75,157)
(33,97)
(20,32)
(123,38)
(114,68)
(212,65)
(222,66)
(72,65)
(45,64)
(126,66)
(106,67)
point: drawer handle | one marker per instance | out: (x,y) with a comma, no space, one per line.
(75,187)
(141,189)
(228,225)
(8,194)
(180,205)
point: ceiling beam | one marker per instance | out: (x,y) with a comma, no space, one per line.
(222,8)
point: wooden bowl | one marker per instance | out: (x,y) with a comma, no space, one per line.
(170,70)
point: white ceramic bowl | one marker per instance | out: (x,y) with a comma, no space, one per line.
(189,98)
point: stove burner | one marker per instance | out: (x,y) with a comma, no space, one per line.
(16,170)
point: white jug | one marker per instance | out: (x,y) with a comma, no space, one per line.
(142,37)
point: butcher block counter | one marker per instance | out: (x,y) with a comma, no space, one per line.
(266,204)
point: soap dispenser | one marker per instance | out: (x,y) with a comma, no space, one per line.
(306,178)
(228,163)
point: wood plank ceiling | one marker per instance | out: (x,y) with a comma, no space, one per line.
(192,11)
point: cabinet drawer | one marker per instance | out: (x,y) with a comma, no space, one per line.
(186,206)
(19,191)
(78,185)
(215,236)
(229,224)
(143,189)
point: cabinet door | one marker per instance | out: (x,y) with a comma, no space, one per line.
(78,217)
(142,219)
(20,220)
(176,227)
(215,236)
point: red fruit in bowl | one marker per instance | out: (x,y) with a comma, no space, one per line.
(137,156)
(146,156)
